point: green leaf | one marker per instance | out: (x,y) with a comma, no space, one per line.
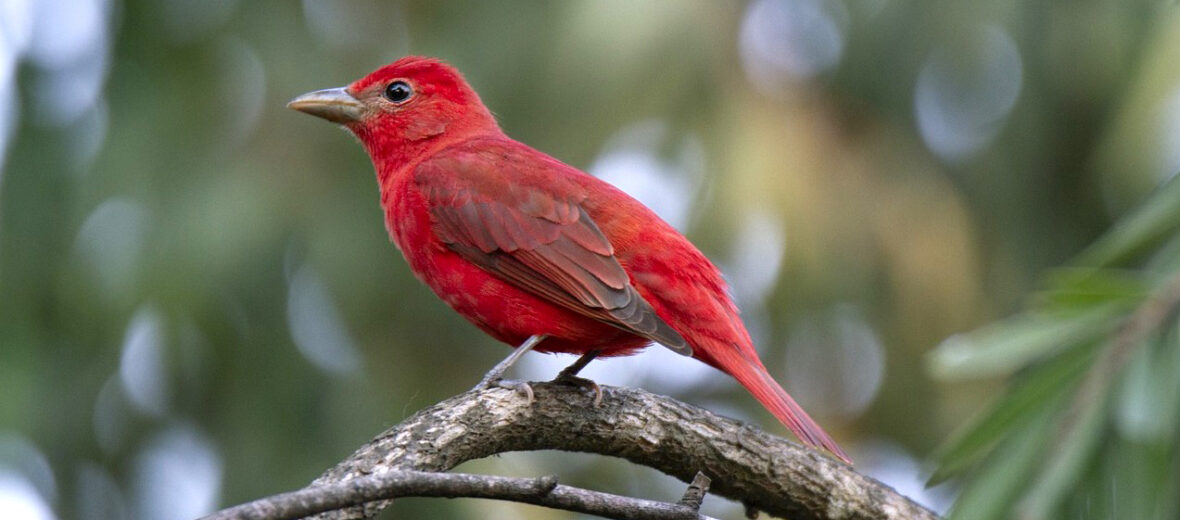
(1041,389)
(1157,218)
(995,486)
(1002,348)
(1164,262)
(1168,506)
(1071,451)
(1147,476)
(1149,397)
(1073,288)
(1130,480)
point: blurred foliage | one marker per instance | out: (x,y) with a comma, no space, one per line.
(199,304)
(1089,427)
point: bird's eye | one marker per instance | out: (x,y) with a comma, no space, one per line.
(398,91)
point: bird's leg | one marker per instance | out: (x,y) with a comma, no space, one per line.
(497,372)
(572,370)
(570,375)
(495,376)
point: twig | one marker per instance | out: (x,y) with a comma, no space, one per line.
(694,496)
(541,491)
(1135,328)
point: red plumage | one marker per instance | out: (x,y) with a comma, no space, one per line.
(522,244)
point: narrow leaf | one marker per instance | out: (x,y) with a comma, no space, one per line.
(1002,348)
(1072,448)
(1156,218)
(1073,288)
(1038,392)
(995,486)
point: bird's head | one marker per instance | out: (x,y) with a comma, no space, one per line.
(403,105)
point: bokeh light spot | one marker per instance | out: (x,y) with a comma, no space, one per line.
(67,32)
(142,367)
(111,244)
(16,29)
(785,40)
(20,500)
(25,459)
(835,362)
(99,496)
(16,32)
(355,25)
(757,258)
(177,475)
(1169,137)
(316,325)
(110,419)
(961,101)
(72,52)
(87,136)
(668,186)
(242,91)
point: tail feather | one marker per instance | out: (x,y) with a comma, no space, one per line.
(753,376)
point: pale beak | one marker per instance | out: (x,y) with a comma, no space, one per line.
(334,104)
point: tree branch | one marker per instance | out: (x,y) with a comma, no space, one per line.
(764,472)
(541,491)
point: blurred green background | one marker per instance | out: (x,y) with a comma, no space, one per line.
(199,304)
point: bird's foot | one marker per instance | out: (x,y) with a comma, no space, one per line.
(569,376)
(521,387)
(565,378)
(494,380)
(495,376)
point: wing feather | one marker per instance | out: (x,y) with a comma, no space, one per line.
(539,239)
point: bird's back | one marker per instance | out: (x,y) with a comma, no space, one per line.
(684,287)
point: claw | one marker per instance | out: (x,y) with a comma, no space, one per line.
(497,372)
(569,376)
(567,379)
(521,388)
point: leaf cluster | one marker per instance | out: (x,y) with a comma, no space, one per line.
(1089,425)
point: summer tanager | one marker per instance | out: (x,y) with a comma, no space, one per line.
(531,250)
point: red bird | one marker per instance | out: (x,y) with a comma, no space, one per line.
(531,250)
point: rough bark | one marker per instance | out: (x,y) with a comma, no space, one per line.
(765,472)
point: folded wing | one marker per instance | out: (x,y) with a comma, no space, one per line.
(538,238)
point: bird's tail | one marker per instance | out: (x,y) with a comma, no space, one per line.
(753,375)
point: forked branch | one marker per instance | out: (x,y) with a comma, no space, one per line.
(764,472)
